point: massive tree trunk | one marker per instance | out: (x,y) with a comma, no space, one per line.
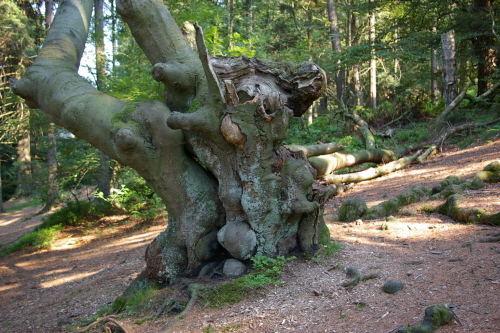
(216,159)
(449,67)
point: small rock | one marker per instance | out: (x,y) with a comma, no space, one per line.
(392,286)
(234,268)
(209,269)
(316,293)
(358,222)
(352,272)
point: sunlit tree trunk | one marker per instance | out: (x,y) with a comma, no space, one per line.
(114,40)
(249,13)
(230,23)
(449,67)
(434,69)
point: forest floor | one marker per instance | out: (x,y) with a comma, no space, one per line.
(438,260)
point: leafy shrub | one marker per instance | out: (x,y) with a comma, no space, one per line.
(75,212)
(136,198)
(418,133)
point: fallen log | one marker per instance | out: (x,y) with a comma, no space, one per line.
(385,169)
(326,164)
(315,150)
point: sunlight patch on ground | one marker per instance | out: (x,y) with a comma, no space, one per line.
(9,286)
(56,271)
(68,278)
(400,230)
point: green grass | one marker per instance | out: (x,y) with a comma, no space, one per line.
(23,205)
(326,251)
(44,234)
(142,300)
(267,271)
(38,239)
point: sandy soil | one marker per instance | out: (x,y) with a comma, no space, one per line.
(438,260)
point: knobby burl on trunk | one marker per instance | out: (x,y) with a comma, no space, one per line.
(212,151)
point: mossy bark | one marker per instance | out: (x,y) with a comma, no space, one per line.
(230,187)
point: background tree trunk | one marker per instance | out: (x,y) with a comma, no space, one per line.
(336,47)
(1,191)
(52,186)
(24,180)
(373,62)
(230,23)
(484,46)
(104,181)
(356,80)
(449,67)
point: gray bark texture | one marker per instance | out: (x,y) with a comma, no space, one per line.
(212,152)
(449,67)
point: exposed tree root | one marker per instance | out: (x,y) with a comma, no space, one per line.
(119,327)
(381,170)
(435,316)
(355,208)
(195,292)
(452,209)
(326,164)
(355,277)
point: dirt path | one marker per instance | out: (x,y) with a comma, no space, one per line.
(439,262)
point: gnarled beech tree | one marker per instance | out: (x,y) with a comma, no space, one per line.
(212,150)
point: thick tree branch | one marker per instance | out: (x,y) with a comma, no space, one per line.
(451,106)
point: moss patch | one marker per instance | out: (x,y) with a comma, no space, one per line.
(352,209)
